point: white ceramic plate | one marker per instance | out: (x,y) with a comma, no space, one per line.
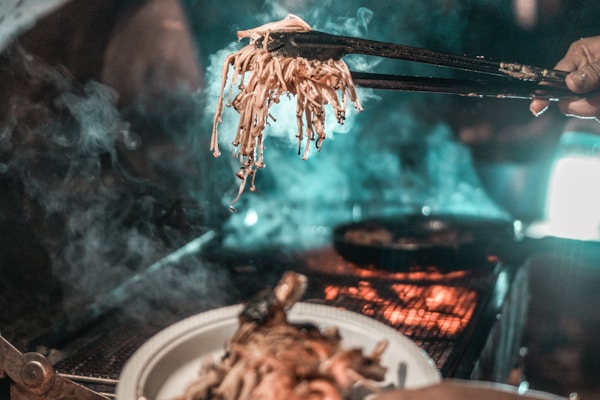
(163,367)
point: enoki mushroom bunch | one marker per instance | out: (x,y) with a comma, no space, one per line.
(262,78)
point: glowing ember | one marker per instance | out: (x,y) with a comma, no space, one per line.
(335,264)
(445,310)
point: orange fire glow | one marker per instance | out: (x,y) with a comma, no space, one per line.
(422,303)
(439,309)
(332,263)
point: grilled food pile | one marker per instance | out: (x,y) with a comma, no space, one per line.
(269,357)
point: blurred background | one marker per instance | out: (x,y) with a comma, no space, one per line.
(106,111)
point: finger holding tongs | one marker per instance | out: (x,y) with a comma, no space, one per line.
(503,79)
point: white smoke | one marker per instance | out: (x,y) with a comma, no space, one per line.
(368,171)
(98,223)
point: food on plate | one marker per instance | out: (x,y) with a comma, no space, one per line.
(269,357)
(262,77)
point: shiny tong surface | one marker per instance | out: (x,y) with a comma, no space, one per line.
(509,79)
(33,377)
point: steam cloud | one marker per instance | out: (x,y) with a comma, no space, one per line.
(387,160)
(99,224)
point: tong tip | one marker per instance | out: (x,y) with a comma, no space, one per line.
(312,45)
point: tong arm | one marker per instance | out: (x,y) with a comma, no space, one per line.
(495,88)
(323,46)
(34,377)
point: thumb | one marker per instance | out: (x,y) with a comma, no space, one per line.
(585,79)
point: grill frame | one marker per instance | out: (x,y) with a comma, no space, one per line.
(498,315)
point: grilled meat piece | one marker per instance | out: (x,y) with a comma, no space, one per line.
(270,358)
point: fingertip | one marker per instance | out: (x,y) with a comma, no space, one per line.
(577,81)
(584,79)
(537,108)
(579,108)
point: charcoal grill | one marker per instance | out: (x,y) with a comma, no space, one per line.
(468,321)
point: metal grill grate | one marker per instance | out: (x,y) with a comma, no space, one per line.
(433,310)
(106,355)
(422,312)
(436,310)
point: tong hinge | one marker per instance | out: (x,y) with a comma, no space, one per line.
(33,377)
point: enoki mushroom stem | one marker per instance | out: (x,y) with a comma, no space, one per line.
(261,78)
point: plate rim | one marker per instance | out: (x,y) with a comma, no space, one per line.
(140,364)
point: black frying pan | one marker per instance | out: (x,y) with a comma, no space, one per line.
(449,242)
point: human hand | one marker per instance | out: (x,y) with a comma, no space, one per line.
(453,389)
(582,60)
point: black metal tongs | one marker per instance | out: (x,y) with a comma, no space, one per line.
(509,80)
